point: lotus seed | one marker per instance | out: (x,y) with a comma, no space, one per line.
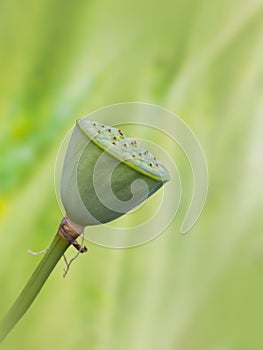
(125,149)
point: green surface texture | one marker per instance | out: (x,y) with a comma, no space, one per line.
(60,60)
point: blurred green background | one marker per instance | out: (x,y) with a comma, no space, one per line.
(200,59)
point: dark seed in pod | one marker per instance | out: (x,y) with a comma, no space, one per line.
(140,154)
(150,164)
(114,143)
(109,130)
(114,138)
(120,132)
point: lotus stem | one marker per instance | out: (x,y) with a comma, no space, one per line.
(66,235)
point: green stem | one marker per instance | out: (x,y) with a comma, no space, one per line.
(56,250)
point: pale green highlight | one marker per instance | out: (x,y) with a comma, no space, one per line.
(120,182)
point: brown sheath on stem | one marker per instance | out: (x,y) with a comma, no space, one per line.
(67,234)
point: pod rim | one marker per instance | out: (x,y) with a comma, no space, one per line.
(94,135)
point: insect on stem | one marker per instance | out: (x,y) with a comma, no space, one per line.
(80,248)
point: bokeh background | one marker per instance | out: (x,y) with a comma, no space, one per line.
(203,60)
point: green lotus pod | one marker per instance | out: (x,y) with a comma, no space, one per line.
(106,174)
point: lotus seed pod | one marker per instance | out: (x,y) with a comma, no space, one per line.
(106,174)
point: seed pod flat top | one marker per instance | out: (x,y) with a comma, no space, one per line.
(127,150)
